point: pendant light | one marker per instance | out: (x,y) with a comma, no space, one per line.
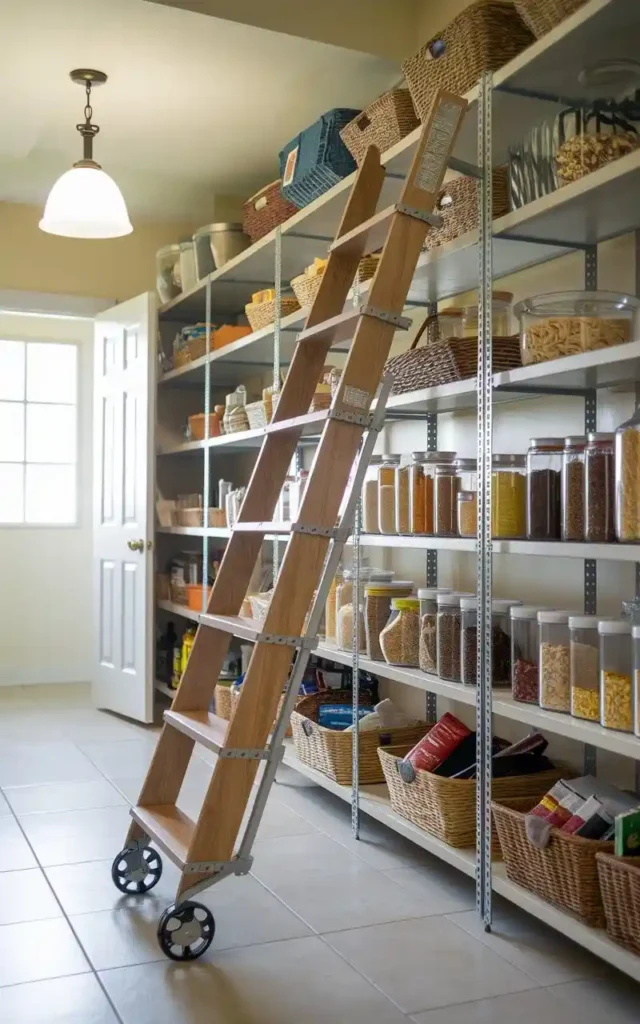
(85,202)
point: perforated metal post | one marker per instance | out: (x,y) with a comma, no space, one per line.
(355,676)
(276,362)
(432,554)
(206,452)
(590,763)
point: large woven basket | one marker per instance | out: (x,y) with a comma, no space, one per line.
(620,888)
(330,750)
(305,288)
(265,210)
(446,808)
(564,874)
(543,15)
(317,159)
(261,314)
(457,204)
(442,362)
(482,37)
(385,121)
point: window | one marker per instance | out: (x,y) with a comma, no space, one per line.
(38,433)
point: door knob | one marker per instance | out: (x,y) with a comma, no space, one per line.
(135,545)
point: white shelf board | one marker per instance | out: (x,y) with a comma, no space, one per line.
(164,689)
(605,367)
(178,609)
(550,549)
(196,531)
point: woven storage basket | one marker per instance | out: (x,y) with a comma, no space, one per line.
(367,267)
(317,159)
(261,314)
(564,874)
(620,889)
(265,210)
(446,808)
(329,750)
(256,415)
(223,701)
(385,121)
(483,37)
(543,15)
(305,288)
(458,206)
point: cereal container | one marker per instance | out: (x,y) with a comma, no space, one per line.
(525,653)
(584,667)
(420,475)
(400,637)
(387,472)
(430,463)
(627,479)
(508,496)
(500,638)
(635,632)
(616,686)
(573,488)
(377,608)
(448,635)
(370,496)
(544,463)
(555,691)
(599,489)
(467,513)
(428,653)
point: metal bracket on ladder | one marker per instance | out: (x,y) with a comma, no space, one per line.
(359,419)
(237,866)
(252,753)
(434,219)
(403,323)
(339,533)
(303,642)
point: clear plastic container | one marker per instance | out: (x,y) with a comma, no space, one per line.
(370,496)
(555,683)
(501,641)
(544,467)
(450,324)
(599,489)
(525,654)
(429,464)
(387,472)
(500,316)
(573,488)
(467,513)
(402,496)
(627,479)
(445,500)
(467,470)
(188,274)
(428,652)
(448,635)
(330,609)
(377,609)
(421,472)
(616,683)
(564,323)
(508,496)
(167,283)
(344,627)
(400,637)
(635,632)
(584,668)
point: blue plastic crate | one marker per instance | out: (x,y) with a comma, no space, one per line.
(317,159)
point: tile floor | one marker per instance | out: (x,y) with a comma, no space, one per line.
(326,930)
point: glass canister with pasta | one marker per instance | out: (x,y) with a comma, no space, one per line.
(566,323)
(627,479)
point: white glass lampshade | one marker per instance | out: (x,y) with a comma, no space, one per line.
(86,203)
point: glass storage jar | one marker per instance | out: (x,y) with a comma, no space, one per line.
(430,463)
(330,609)
(167,282)
(500,316)
(188,275)
(402,496)
(508,496)
(421,471)
(400,637)
(387,472)
(635,632)
(428,653)
(377,609)
(445,506)
(555,685)
(544,465)
(467,513)
(525,654)
(500,636)
(370,496)
(599,489)
(584,669)
(573,488)
(616,684)
(449,324)
(564,323)
(627,479)
(448,635)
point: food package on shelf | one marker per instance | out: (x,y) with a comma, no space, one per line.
(566,323)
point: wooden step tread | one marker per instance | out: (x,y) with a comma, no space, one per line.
(202,726)
(169,828)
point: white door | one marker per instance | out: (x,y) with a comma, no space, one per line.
(124,404)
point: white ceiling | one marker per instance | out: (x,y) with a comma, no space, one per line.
(194,106)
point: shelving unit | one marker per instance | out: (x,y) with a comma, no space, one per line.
(601,206)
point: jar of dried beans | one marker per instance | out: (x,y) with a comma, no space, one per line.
(584,669)
(544,464)
(627,474)
(387,472)
(500,637)
(573,488)
(377,608)
(428,653)
(370,496)
(616,685)
(445,514)
(448,635)
(555,687)
(599,489)
(635,633)
(524,654)
(400,637)
(508,496)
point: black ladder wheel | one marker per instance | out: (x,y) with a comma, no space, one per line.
(186,930)
(136,871)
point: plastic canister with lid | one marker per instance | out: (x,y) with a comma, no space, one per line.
(584,667)
(616,684)
(377,609)
(428,650)
(573,456)
(555,675)
(387,493)
(544,465)
(508,496)
(525,654)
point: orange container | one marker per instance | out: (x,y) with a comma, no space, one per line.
(228,333)
(197,425)
(194,596)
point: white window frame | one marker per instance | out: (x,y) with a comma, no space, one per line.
(76,523)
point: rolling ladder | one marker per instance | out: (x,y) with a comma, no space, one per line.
(205,850)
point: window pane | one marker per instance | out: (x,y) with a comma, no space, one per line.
(11,493)
(51,372)
(51,494)
(51,433)
(11,432)
(12,370)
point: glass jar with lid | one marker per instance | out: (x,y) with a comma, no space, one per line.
(449,323)
(524,654)
(428,652)
(345,604)
(387,472)
(400,637)
(635,633)
(573,488)
(500,637)
(445,499)
(377,609)
(167,283)
(448,635)
(599,489)
(500,316)
(544,466)
(420,491)
(565,323)
(429,463)
(627,470)
(508,496)
(616,666)
(584,667)
(467,471)
(187,274)
(467,513)
(555,685)
(402,496)
(370,496)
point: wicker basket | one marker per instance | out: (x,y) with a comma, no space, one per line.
(265,210)
(543,15)
(385,121)
(256,415)
(564,874)
(330,750)
(458,206)
(367,267)
(317,159)
(305,288)
(446,808)
(261,314)
(620,889)
(223,701)
(195,517)
(482,37)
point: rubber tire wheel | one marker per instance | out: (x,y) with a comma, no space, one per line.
(153,862)
(186,915)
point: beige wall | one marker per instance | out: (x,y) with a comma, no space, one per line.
(433,15)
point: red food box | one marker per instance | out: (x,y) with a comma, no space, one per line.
(438,744)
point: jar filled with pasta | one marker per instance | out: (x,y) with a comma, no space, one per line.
(387,473)
(370,496)
(508,496)
(627,479)
(616,684)
(565,323)
(584,667)
(555,685)
(573,488)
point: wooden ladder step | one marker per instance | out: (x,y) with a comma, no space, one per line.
(372,233)
(202,726)
(169,828)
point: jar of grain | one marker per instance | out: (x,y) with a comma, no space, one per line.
(635,633)
(467,513)
(377,609)
(524,654)
(573,488)
(584,669)
(429,462)
(445,505)
(555,685)
(387,472)
(508,496)
(599,489)
(428,653)
(400,637)
(616,687)
(448,635)
(330,609)
(345,628)
(370,496)
(544,465)
(467,472)
(500,638)
(402,497)
(627,479)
